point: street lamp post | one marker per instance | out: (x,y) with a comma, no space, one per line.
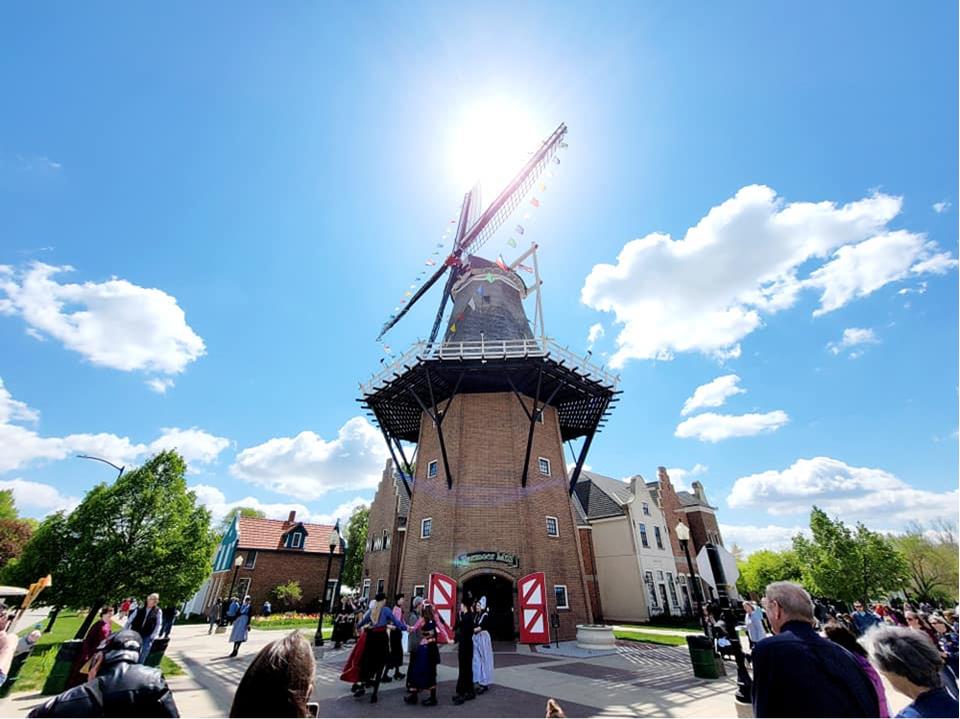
(683,534)
(334,543)
(237,563)
(105,461)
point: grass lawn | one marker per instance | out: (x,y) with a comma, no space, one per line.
(666,639)
(690,629)
(278,621)
(34,672)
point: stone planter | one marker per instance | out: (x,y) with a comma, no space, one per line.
(596,637)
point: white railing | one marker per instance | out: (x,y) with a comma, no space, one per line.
(488,350)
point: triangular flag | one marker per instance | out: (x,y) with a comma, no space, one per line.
(406,294)
(512,242)
(430,263)
(501,264)
(386,348)
(556,161)
(489,277)
(440,245)
(472,304)
(453,221)
(543,187)
(519,229)
(453,327)
(564,146)
(525,268)
(535,202)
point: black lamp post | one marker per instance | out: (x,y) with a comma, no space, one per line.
(105,461)
(683,534)
(334,543)
(237,563)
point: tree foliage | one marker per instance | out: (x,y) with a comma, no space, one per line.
(8,509)
(766,566)
(144,533)
(847,564)
(356,541)
(931,560)
(243,512)
(288,595)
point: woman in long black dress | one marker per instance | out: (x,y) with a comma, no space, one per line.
(426,657)
(464,653)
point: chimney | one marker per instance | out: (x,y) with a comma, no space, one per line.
(293,516)
(662,474)
(698,490)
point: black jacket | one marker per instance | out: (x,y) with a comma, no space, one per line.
(798,673)
(122,688)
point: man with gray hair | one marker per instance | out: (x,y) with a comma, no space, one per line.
(912,664)
(798,673)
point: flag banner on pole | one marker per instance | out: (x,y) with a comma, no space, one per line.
(535,202)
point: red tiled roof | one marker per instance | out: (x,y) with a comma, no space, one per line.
(268,534)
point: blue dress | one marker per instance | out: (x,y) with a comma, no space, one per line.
(241,625)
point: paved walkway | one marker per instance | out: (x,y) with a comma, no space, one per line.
(639,680)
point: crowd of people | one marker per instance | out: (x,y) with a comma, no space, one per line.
(824,661)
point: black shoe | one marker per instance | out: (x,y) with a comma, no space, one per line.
(373,698)
(399,675)
(386,680)
(470,696)
(458,700)
(481,689)
(429,702)
(411,698)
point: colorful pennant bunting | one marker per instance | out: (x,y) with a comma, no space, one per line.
(535,202)
(512,242)
(501,264)
(430,263)
(519,229)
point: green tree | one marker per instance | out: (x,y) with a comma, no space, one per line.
(243,512)
(8,509)
(46,552)
(766,566)
(847,564)
(356,542)
(931,560)
(288,595)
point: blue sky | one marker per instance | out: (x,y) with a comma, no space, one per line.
(244,193)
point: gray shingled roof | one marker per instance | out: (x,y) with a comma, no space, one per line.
(578,512)
(601,496)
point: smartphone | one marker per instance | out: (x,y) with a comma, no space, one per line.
(313,709)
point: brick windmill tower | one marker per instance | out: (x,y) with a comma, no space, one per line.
(489,408)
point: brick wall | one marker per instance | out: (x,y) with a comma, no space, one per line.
(384,563)
(279,567)
(487,509)
(670,506)
(590,572)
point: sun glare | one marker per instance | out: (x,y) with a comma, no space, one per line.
(489,143)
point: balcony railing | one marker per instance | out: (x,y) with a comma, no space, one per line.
(489,350)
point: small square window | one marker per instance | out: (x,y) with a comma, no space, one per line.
(432,468)
(426,527)
(553,527)
(560,591)
(646,509)
(544,465)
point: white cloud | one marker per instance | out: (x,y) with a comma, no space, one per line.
(941,207)
(712,427)
(746,259)
(853,493)
(37,498)
(20,445)
(114,324)
(938,264)
(195,445)
(160,385)
(712,394)
(853,336)
(595,333)
(751,538)
(308,466)
(214,499)
(678,475)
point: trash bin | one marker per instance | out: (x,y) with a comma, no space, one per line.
(67,655)
(701,656)
(157,650)
(15,666)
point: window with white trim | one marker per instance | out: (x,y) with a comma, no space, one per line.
(295,540)
(544,465)
(419,590)
(250,561)
(386,540)
(560,591)
(365,592)
(426,527)
(376,544)
(643,534)
(651,590)
(553,527)
(673,589)
(646,509)
(432,468)
(657,536)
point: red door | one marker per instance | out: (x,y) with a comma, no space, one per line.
(442,594)
(533,609)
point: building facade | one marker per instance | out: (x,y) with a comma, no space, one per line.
(272,552)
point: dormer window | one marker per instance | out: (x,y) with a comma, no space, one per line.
(295,540)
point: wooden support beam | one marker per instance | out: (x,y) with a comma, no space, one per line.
(533,422)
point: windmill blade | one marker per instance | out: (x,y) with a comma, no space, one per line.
(416,296)
(508,200)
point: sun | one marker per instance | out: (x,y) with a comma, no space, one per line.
(489,143)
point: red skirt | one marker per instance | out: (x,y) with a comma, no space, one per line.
(352,670)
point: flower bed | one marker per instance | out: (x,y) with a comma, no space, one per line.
(289,620)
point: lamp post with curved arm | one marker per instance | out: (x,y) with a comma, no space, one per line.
(105,461)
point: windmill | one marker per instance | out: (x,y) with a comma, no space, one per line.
(488,407)
(474,230)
